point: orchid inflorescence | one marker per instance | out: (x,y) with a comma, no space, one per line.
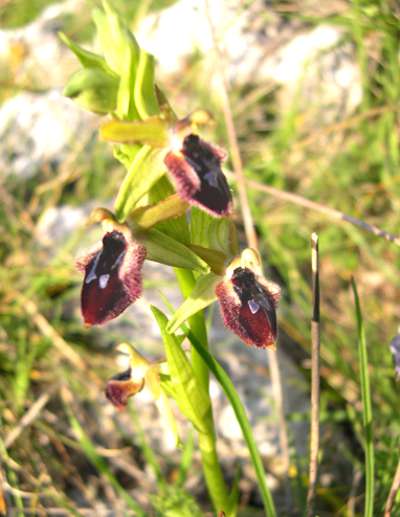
(173,206)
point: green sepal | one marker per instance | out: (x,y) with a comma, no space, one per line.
(86,58)
(210,232)
(146,168)
(190,396)
(152,131)
(166,250)
(216,259)
(202,295)
(93,89)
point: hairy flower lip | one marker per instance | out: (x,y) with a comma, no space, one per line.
(112,277)
(196,172)
(121,387)
(248,306)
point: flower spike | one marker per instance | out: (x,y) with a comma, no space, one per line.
(195,170)
(112,275)
(248,302)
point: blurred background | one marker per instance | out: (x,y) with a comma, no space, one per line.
(315,90)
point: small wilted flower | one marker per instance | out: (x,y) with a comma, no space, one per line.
(112,278)
(248,301)
(133,379)
(195,170)
(120,387)
(395,349)
(140,374)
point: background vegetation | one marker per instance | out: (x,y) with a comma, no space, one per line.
(65,455)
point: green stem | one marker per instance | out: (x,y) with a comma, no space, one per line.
(197,325)
(207,443)
(242,419)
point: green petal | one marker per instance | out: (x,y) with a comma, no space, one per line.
(189,394)
(152,131)
(202,296)
(166,250)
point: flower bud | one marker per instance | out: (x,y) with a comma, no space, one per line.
(94,90)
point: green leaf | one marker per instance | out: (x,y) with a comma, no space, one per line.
(93,89)
(201,297)
(126,108)
(87,59)
(366,407)
(191,398)
(210,232)
(166,250)
(117,42)
(146,101)
(146,168)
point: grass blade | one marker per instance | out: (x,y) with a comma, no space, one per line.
(367,408)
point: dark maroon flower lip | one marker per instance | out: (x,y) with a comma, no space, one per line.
(121,387)
(112,278)
(197,175)
(248,307)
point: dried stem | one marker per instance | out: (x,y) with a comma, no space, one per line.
(251,237)
(3,505)
(49,331)
(29,417)
(329,212)
(315,378)
(393,492)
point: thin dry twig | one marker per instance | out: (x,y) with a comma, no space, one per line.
(315,378)
(342,125)
(49,331)
(31,415)
(393,492)
(249,228)
(252,241)
(332,213)
(351,503)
